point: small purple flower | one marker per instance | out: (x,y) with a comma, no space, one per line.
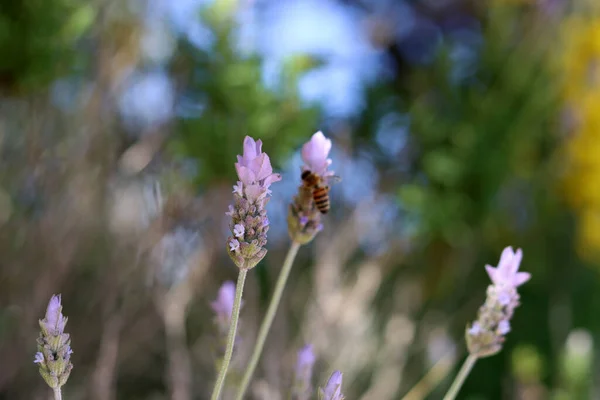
(333,389)
(475,329)
(302,389)
(315,153)
(234,245)
(485,337)
(39,358)
(238,230)
(54,346)
(507,272)
(504,327)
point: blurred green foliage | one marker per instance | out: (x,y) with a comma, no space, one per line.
(226,89)
(38,39)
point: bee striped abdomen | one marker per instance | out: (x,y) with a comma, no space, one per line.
(321,197)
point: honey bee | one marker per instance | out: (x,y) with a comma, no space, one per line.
(320,188)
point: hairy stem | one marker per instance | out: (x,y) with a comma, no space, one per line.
(57,393)
(268,320)
(235,314)
(460,378)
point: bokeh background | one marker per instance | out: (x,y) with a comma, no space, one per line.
(459,127)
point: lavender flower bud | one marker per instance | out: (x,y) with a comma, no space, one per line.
(304,218)
(54,346)
(302,389)
(486,335)
(333,389)
(249,223)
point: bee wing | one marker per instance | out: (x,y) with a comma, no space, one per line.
(332,179)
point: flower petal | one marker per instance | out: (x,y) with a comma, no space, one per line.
(492,273)
(261,166)
(251,149)
(520,278)
(245,174)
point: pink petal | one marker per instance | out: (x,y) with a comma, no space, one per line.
(250,149)
(315,152)
(271,179)
(245,174)
(505,258)
(520,278)
(492,273)
(261,166)
(254,192)
(516,261)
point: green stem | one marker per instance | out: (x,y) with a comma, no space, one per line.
(57,393)
(266,324)
(235,314)
(460,378)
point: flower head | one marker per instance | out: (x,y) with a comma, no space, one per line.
(333,389)
(54,346)
(304,218)
(302,389)
(485,336)
(249,222)
(254,169)
(315,153)
(507,271)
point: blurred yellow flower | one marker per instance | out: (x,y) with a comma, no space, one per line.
(579,62)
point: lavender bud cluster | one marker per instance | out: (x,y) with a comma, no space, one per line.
(54,346)
(486,335)
(249,223)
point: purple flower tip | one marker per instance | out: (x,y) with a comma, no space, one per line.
(39,358)
(55,322)
(223,306)
(506,274)
(333,389)
(254,167)
(306,358)
(315,153)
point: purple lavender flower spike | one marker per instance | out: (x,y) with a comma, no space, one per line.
(249,222)
(304,218)
(302,389)
(54,346)
(333,389)
(486,335)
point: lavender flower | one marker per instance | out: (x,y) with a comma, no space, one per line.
(249,222)
(54,346)
(302,387)
(304,219)
(333,389)
(223,306)
(486,335)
